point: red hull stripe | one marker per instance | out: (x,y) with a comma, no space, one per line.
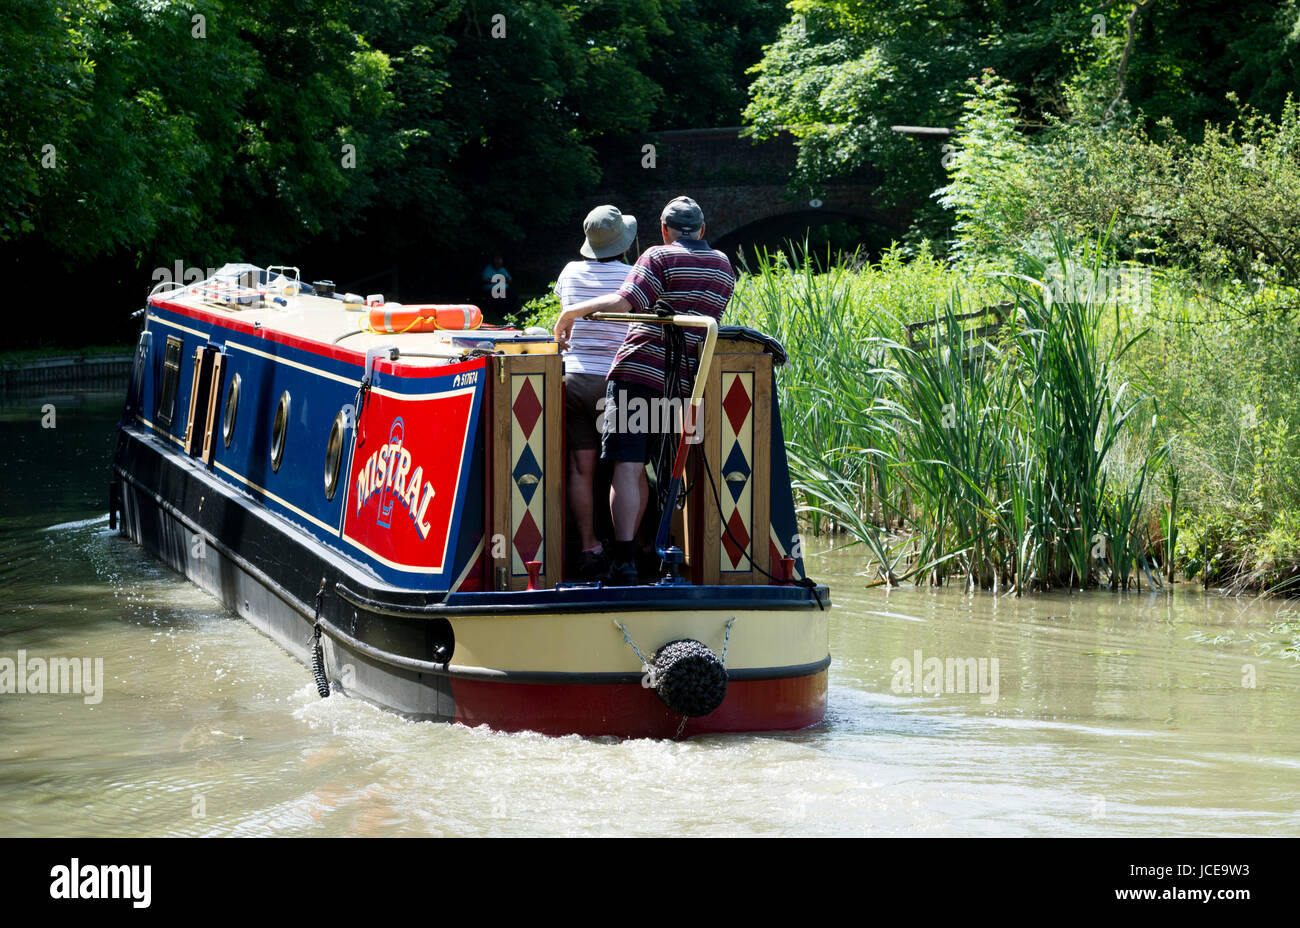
(630,710)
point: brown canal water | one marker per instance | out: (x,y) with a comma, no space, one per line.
(1112,715)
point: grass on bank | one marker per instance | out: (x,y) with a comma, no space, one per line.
(1015,461)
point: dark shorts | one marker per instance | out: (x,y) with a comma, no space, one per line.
(582,396)
(632,444)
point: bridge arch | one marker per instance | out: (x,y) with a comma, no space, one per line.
(742,185)
(839,228)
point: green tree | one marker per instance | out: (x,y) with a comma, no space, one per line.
(844,71)
(259,129)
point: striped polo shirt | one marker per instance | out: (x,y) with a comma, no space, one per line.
(689,276)
(592,345)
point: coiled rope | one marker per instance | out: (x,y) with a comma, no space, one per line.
(676,366)
(317,653)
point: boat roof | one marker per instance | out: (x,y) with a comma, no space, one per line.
(272,301)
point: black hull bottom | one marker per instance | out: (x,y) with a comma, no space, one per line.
(191,545)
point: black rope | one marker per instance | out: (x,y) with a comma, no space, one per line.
(805,581)
(675,359)
(350,334)
(317,654)
(359,407)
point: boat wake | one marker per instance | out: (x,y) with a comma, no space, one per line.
(79,523)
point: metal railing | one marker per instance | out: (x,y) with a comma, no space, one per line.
(690,421)
(710,326)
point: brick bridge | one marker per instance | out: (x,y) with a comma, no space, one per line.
(742,186)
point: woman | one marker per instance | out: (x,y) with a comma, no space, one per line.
(608,235)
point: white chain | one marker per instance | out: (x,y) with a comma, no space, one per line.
(646,666)
(726,640)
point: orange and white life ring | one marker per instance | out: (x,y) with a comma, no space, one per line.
(395,318)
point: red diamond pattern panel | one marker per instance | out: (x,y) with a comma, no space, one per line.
(527,407)
(737,404)
(737,529)
(527,460)
(736,446)
(527,538)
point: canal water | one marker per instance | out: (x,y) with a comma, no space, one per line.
(1137,714)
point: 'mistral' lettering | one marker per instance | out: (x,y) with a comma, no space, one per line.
(389,468)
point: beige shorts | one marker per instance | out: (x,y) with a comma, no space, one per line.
(582,395)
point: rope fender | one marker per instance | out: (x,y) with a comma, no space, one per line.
(688,677)
(317,654)
(685,674)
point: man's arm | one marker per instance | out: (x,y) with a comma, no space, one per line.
(608,303)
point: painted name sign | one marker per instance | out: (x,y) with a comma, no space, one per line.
(407,475)
(389,473)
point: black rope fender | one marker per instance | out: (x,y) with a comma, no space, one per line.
(688,677)
(317,653)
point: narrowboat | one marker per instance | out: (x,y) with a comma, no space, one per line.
(379,488)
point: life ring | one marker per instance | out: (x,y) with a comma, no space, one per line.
(395,318)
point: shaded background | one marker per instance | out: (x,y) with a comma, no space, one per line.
(395,145)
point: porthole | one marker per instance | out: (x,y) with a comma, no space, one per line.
(232,405)
(334,455)
(278,430)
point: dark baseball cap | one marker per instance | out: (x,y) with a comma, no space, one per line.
(683,214)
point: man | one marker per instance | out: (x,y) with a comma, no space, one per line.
(498,284)
(608,235)
(690,277)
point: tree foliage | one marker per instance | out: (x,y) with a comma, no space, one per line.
(843,72)
(1223,212)
(250,128)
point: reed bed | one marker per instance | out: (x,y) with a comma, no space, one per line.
(1016,459)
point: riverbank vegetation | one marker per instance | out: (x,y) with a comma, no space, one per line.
(1122,181)
(985,432)
(1133,409)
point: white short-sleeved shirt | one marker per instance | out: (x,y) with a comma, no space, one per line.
(592,345)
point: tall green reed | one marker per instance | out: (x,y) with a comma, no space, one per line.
(996,456)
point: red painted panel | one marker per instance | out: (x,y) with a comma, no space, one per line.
(630,710)
(404,477)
